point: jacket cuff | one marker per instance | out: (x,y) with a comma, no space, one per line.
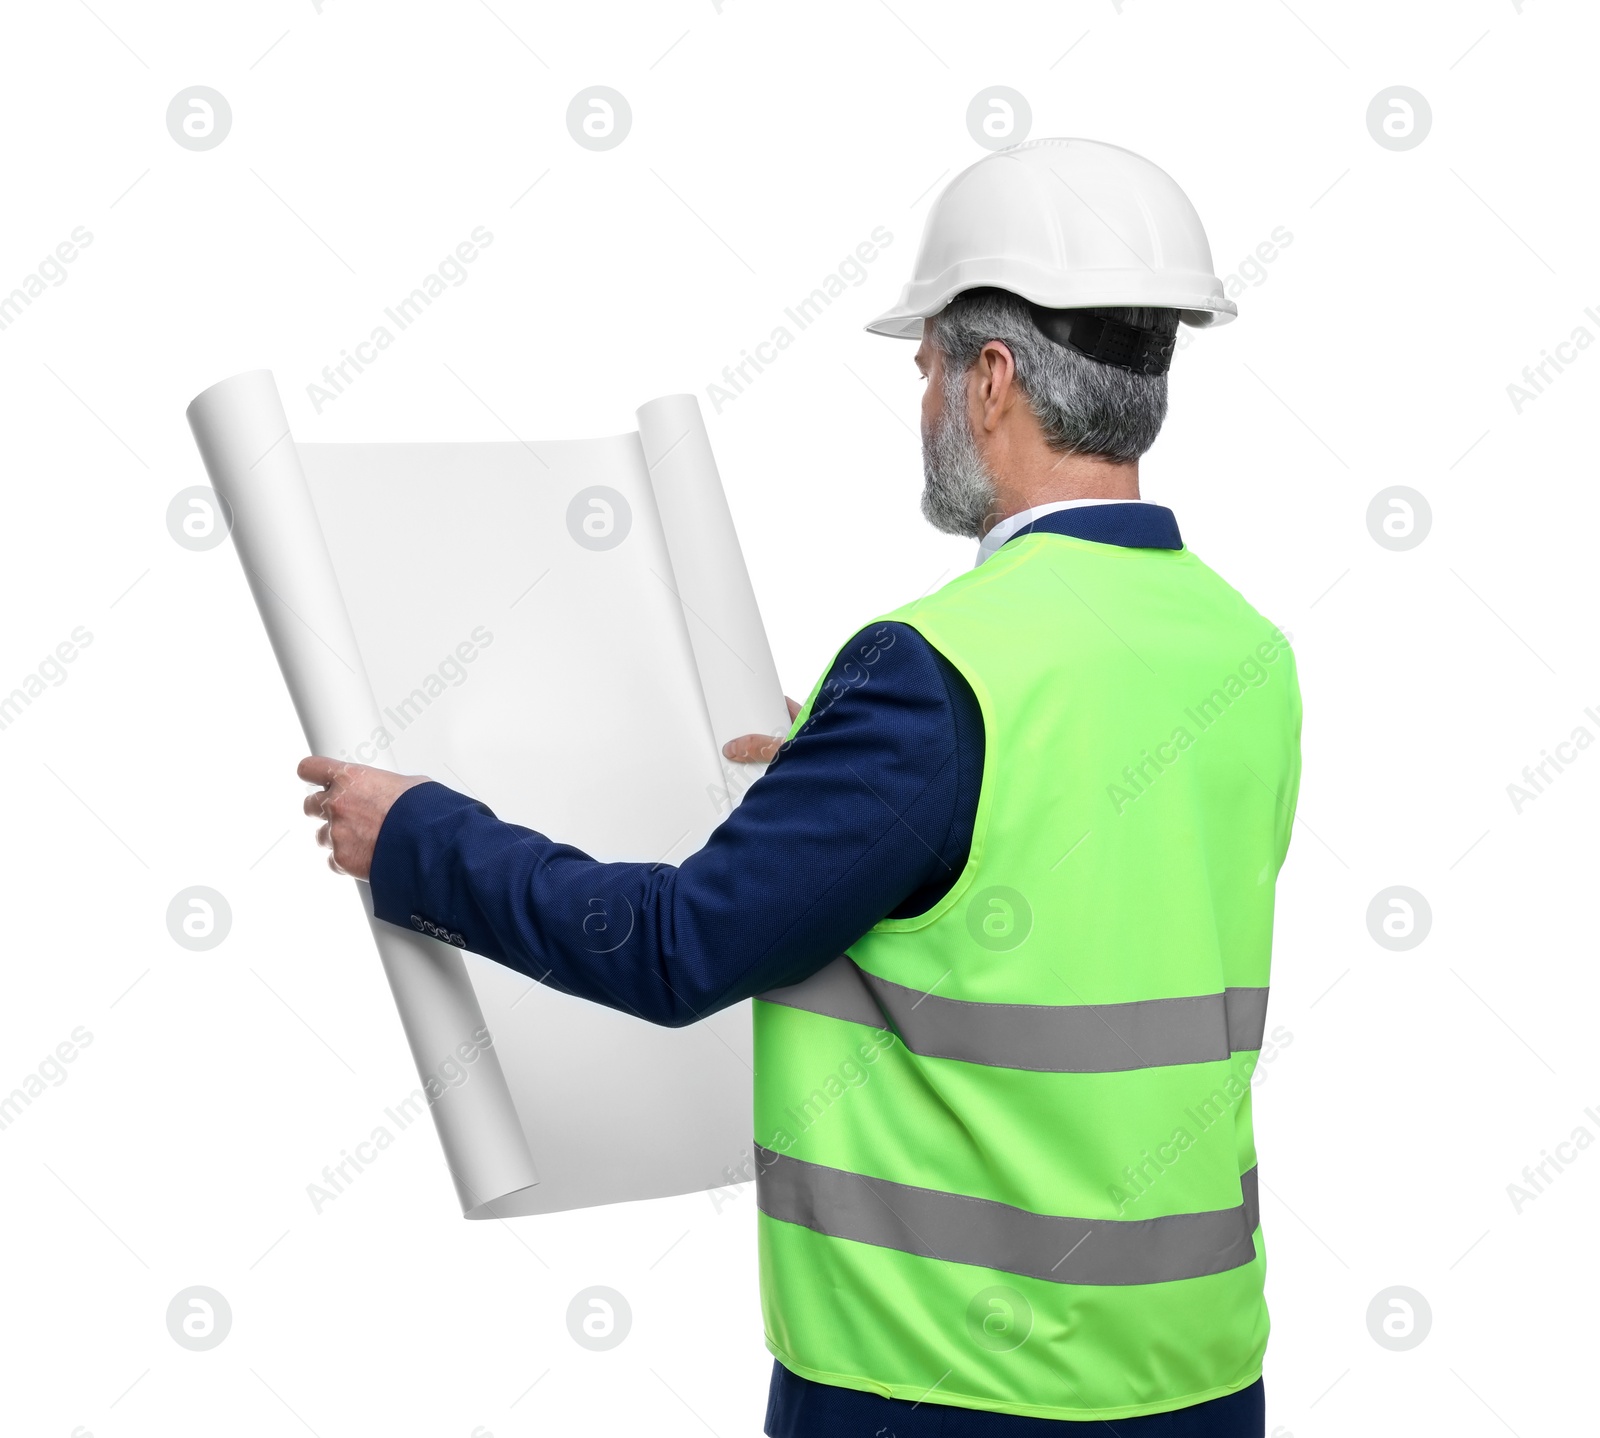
(411,879)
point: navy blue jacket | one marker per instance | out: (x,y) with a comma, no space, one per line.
(866,813)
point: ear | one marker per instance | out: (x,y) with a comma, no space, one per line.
(995,373)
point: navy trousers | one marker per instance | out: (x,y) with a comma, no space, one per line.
(800,1408)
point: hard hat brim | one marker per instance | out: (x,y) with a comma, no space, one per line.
(1196,295)
(1200,302)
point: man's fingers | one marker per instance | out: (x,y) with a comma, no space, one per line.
(315,769)
(315,804)
(325,836)
(758,748)
(752,748)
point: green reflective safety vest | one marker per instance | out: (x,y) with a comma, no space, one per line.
(1003,1149)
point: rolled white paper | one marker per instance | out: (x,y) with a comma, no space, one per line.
(737,673)
(243,436)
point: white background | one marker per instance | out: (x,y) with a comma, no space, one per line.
(768,141)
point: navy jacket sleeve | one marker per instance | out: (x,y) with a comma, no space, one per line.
(867,811)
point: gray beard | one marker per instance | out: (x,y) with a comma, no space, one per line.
(958,493)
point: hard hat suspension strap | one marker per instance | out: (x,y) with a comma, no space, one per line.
(1109,341)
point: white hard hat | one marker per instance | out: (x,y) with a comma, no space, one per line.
(1067,224)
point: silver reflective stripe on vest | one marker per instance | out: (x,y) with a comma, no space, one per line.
(1078,1038)
(956,1228)
(1247,1018)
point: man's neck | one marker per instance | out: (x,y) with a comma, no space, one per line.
(1062,478)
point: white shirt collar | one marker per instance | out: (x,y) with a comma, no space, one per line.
(1008,526)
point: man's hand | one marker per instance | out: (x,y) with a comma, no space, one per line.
(352,803)
(757,748)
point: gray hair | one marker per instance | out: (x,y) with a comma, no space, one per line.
(1083,406)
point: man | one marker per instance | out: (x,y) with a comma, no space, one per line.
(1005,894)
